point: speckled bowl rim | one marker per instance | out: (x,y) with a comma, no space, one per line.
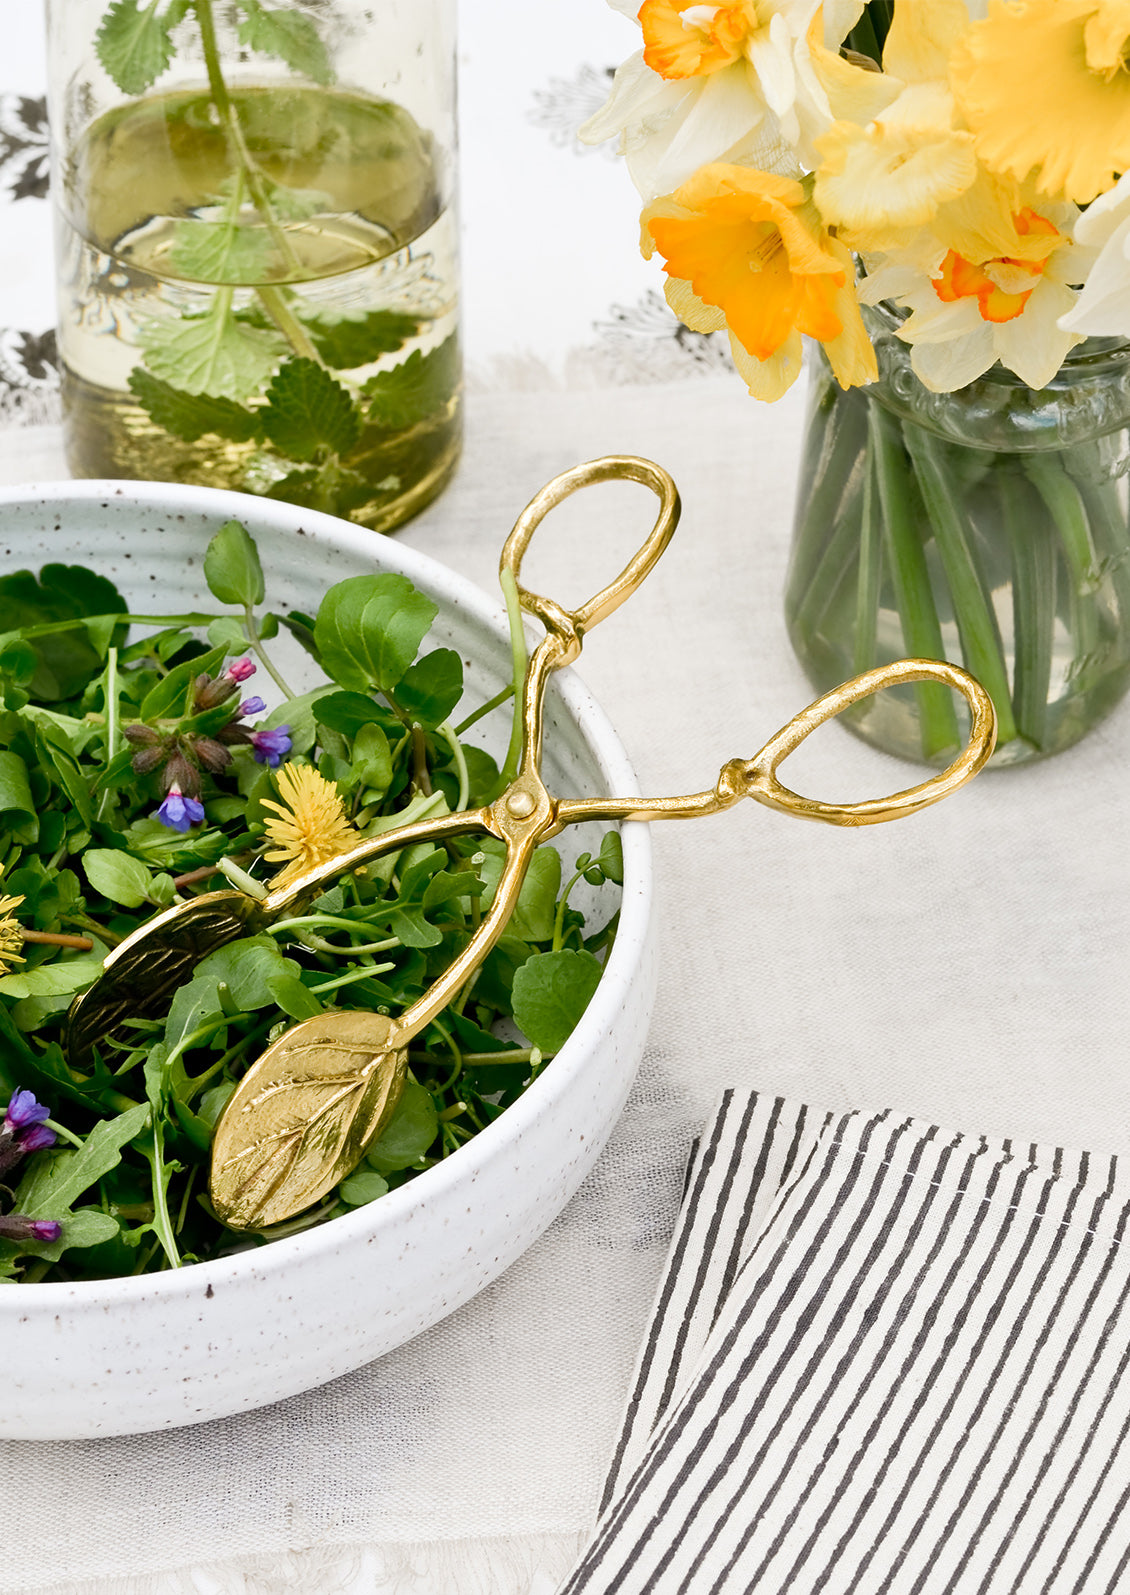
(489,1144)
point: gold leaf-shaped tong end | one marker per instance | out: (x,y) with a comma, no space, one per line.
(301,1117)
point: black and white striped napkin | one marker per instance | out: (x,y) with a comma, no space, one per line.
(883,1358)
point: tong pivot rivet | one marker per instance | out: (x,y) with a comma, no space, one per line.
(521,804)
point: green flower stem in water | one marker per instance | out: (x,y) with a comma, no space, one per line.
(922,633)
(1065,504)
(840,439)
(1033,558)
(869,579)
(976,624)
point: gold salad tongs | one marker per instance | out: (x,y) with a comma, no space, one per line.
(304,1113)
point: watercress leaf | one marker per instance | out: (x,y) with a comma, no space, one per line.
(430,688)
(222,251)
(232,568)
(289,35)
(60,978)
(190,415)
(415,389)
(369,629)
(296,1000)
(363,1187)
(307,410)
(213,353)
(372,758)
(536,908)
(347,712)
(346,339)
(117,875)
(408,1134)
(247,967)
(550,993)
(134,42)
(611,857)
(57,754)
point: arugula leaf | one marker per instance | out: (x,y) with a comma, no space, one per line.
(232,568)
(290,36)
(55,1180)
(369,628)
(18,809)
(213,353)
(416,389)
(308,410)
(346,339)
(550,993)
(134,42)
(190,415)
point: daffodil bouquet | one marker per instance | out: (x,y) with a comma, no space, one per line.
(932,191)
(135,774)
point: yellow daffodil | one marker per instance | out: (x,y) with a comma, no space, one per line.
(745,249)
(311,827)
(1045,86)
(11,934)
(969,311)
(744,80)
(877,183)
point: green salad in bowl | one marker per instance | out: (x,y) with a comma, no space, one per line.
(140,765)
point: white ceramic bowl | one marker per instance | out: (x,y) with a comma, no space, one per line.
(129,1355)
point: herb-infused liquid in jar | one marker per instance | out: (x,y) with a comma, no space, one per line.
(258,289)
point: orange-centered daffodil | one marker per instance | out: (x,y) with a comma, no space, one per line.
(1001,287)
(745,249)
(686,41)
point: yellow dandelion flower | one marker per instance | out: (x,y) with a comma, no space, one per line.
(11,934)
(311,827)
(1045,86)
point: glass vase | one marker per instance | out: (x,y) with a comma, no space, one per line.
(986,526)
(256,246)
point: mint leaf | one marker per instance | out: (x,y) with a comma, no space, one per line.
(331,487)
(288,35)
(347,339)
(307,410)
(551,991)
(213,353)
(134,44)
(190,415)
(415,390)
(221,251)
(232,568)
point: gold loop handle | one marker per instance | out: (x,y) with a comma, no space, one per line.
(759,775)
(612,467)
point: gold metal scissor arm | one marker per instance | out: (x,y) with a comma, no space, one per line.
(757,777)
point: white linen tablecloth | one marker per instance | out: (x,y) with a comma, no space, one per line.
(965,966)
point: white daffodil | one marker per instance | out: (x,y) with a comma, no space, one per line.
(968,314)
(752,82)
(1103,307)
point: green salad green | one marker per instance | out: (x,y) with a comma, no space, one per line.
(135,772)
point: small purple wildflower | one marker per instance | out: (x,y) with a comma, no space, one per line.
(252,706)
(15,1227)
(240,669)
(271,745)
(179,812)
(23,1111)
(23,1130)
